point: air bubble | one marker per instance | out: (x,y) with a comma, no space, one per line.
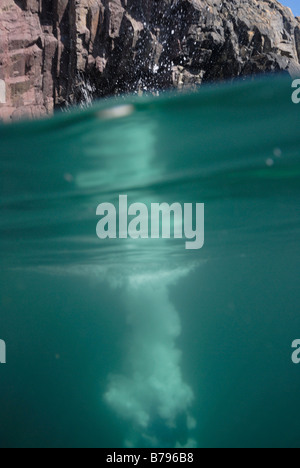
(117,112)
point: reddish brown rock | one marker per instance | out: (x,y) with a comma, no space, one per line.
(26,61)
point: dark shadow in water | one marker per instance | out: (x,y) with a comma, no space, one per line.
(64,336)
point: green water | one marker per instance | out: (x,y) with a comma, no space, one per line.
(140,342)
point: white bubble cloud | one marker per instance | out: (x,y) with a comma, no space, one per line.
(152,388)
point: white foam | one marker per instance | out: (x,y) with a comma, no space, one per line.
(152,387)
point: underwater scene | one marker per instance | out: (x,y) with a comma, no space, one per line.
(118,338)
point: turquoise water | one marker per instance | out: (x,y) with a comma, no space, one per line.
(142,343)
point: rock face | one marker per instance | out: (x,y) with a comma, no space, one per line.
(27,52)
(54,52)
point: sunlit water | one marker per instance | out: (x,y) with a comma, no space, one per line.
(142,343)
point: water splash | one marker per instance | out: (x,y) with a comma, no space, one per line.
(152,390)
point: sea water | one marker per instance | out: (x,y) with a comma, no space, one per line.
(140,342)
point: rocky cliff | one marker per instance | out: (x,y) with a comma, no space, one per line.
(54,52)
